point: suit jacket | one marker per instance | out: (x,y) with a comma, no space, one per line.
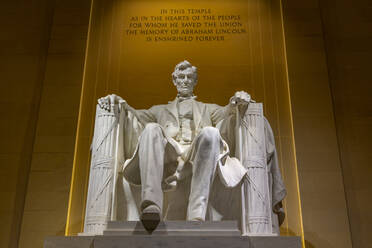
(166,115)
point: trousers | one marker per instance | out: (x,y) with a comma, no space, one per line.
(155,160)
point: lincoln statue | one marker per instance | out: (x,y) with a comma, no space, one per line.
(185,160)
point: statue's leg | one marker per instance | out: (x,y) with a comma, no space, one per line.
(205,151)
(151,161)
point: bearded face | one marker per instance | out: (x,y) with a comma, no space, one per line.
(185,82)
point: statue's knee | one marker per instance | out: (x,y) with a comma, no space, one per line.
(210,134)
(149,133)
(152,128)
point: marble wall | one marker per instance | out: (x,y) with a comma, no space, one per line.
(50,169)
(348,39)
(328,49)
(42,48)
(24,37)
(324,208)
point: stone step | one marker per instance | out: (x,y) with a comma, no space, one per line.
(174,228)
(150,241)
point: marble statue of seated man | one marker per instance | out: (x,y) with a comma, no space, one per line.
(179,139)
(183,147)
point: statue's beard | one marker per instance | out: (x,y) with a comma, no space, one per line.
(185,91)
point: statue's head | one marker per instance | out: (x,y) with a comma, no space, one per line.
(185,77)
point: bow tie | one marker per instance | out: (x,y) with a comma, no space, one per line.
(183,98)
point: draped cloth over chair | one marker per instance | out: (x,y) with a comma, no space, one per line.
(247,173)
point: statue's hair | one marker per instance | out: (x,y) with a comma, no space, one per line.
(183,66)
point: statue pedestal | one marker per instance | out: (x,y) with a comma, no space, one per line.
(174,228)
(173,234)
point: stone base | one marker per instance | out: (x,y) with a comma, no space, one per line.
(173,234)
(174,228)
(144,241)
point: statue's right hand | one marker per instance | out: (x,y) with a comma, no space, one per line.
(106,102)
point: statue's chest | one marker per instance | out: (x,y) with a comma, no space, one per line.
(186,123)
(185,110)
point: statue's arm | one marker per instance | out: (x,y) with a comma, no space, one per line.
(143,115)
(239,100)
(219,113)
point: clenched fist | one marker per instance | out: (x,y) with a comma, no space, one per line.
(106,102)
(240,97)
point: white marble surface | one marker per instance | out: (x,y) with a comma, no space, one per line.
(174,228)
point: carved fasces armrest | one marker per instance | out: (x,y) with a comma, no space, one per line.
(115,135)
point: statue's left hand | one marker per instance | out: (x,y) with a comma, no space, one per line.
(240,97)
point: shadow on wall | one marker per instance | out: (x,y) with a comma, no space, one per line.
(286,231)
(61,232)
(320,242)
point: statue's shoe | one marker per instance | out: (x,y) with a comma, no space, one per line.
(151,213)
(150,217)
(196,219)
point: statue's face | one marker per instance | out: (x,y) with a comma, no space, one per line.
(185,82)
